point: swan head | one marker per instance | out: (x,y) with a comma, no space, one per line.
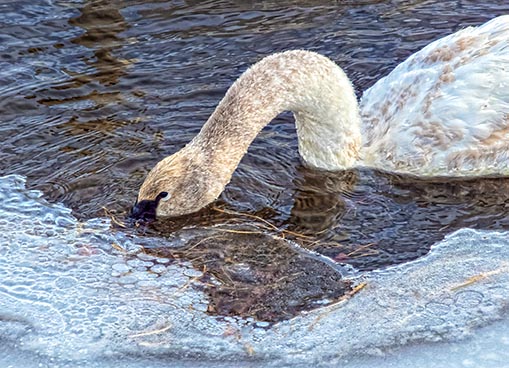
(178,185)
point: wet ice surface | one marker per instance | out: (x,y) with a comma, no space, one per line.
(66,296)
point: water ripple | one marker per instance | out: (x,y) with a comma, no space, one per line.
(94,93)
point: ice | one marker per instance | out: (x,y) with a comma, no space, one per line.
(69,298)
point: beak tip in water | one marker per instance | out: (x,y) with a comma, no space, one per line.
(144,210)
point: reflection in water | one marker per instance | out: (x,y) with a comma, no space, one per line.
(383,218)
(85,134)
(103,23)
(319,200)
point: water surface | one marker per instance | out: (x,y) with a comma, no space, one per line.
(94,93)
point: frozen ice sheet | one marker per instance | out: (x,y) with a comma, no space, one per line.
(67,297)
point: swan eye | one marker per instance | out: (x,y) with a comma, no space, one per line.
(163,196)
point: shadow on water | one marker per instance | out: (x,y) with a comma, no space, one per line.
(94,93)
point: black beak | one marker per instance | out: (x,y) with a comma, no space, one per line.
(144,210)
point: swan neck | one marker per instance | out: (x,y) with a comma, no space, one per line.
(314,88)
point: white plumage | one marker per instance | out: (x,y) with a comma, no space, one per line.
(445,110)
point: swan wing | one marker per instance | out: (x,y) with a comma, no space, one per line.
(445,110)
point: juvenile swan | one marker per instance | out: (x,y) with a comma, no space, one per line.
(442,112)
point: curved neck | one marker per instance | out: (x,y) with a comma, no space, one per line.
(313,87)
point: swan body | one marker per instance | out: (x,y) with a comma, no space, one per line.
(445,110)
(442,112)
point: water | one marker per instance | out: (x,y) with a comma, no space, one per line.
(94,93)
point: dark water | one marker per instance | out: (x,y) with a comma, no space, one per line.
(94,93)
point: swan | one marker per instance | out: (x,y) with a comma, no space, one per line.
(442,112)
